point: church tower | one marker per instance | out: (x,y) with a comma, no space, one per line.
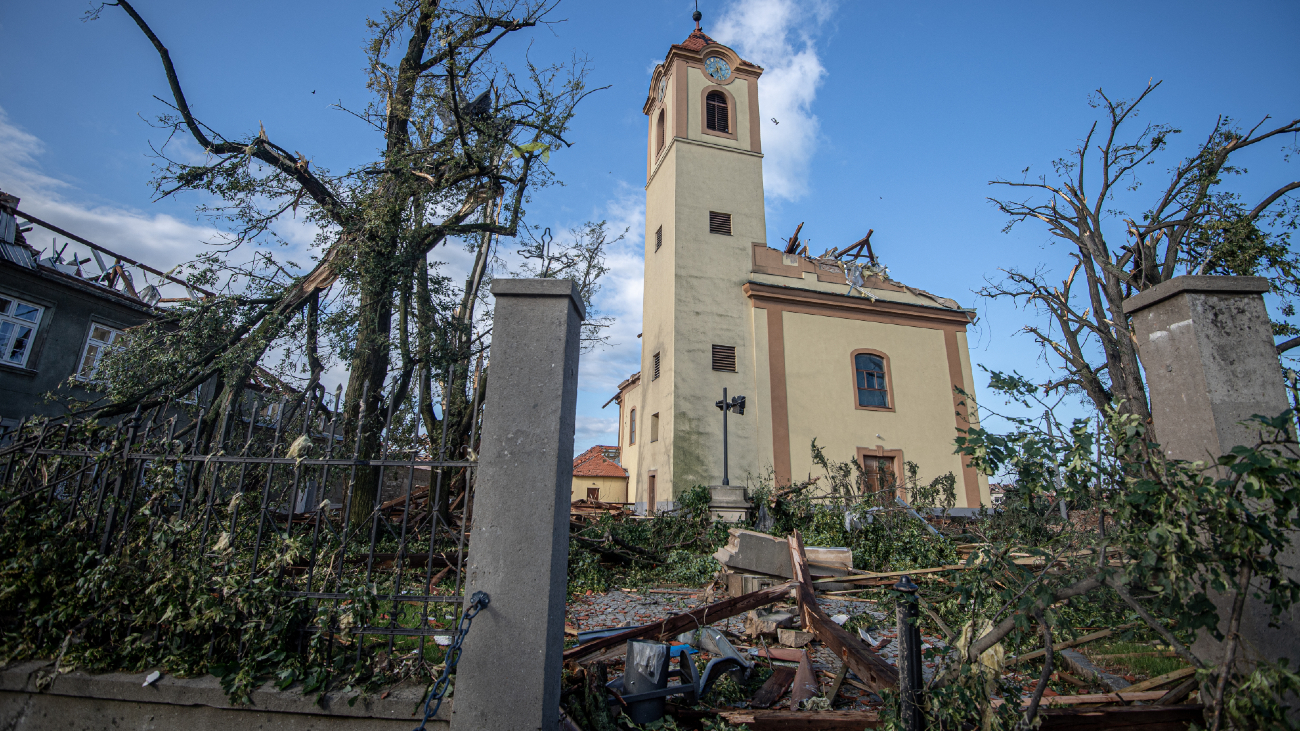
(704,213)
(827,348)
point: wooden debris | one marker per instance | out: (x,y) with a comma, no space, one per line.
(1072,643)
(774,688)
(1160,680)
(673,626)
(1179,693)
(867,665)
(1147,718)
(837,682)
(801,720)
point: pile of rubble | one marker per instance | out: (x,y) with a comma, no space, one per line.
(642,651)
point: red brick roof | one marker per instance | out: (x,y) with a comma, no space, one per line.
(696,40)
(594,463)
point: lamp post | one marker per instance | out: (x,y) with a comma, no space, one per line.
(736,404)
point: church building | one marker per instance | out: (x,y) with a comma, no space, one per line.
(820,347)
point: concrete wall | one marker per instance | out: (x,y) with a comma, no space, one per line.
(70,308)
(118,701)
(612,489)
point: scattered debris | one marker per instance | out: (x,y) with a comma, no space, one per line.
(793,637)
(777,683)
(152,678)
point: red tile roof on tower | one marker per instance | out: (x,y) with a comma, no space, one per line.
(696,40)
(594,463)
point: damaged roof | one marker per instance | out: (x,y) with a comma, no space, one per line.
(595,463)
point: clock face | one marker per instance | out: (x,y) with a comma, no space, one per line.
(663,87)
(717,68)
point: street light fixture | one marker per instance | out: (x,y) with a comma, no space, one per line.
(736,404)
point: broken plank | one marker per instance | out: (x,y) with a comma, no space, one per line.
(1072,643)
(1147,718)
(1077,700)
(774,688)
(801,720)
(835,684)
(861,576)
(867,665)
(1160,680)
(675,625)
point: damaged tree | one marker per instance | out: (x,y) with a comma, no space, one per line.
(1196,225)
(464,139)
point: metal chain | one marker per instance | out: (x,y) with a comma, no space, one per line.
(476,604)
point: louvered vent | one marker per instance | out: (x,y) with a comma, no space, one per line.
(656,368)
(659,237)
(724,358)
(719,223)
(715,112)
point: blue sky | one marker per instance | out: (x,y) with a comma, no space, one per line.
(892,116)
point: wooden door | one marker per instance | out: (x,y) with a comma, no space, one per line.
(650,494)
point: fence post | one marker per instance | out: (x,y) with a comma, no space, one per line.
(1206,345)
(509,676)
(910,680)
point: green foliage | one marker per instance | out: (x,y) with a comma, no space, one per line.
(170,594)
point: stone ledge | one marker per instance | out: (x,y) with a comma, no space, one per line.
(400,704)
(540,288)
(1195,283)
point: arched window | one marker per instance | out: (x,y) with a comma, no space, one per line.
(659,134)
(715,112)
(631,428)
(871,380)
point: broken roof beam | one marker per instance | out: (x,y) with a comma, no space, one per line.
(872,669)
(119,257)
(865,241)
(792,244)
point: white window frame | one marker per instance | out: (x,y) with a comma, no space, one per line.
(103,347)
(7,317)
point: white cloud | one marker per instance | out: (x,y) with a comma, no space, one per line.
(591,431)
(779,36)
(159,240)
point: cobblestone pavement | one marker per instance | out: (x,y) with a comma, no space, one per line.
(627,608)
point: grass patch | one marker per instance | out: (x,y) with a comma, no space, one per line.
(1144,659)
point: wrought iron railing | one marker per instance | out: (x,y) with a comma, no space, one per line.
(268,500)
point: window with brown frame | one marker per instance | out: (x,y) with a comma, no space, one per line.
(716,112)
(659,237)
(872,383)
(659,134)
(724,358)
(719,223)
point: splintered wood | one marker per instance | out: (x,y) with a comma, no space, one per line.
(873,670)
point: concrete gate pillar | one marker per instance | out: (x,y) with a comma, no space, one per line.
(1207,348)
(509,675)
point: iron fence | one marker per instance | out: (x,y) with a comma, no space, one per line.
(269,500)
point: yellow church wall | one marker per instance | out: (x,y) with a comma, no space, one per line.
(822,402)
(761,404)
(612,489)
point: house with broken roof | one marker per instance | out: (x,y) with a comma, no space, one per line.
(598,476)
(62,308)
(823,347)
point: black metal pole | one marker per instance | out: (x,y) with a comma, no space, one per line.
(910,681)
(725,408)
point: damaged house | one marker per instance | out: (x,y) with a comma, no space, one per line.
(825,347)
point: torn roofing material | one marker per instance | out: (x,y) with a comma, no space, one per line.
(595,463)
